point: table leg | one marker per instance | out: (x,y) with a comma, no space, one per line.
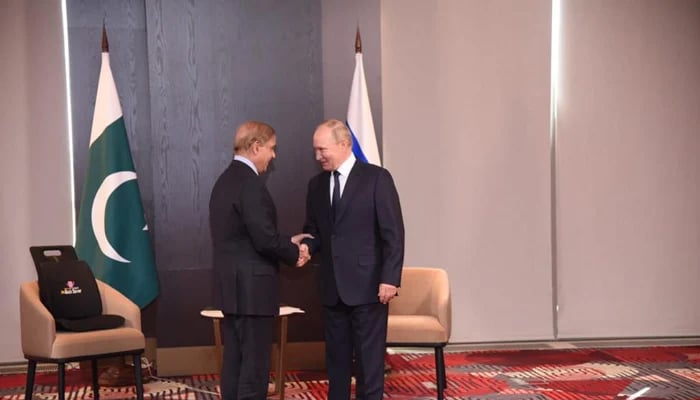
(281,367)
(217,345)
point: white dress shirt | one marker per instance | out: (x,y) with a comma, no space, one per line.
(247,162)
(344,170)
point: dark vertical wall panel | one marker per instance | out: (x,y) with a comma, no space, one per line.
(340,20)
(125,21)
(126,28)
(212,66)
(188,73)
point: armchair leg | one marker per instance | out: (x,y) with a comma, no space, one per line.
(440,372)
(61,381)
(95,381)
(444,371)
(138,377)
(29,388)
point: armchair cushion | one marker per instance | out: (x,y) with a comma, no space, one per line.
(416,329)
(69,291)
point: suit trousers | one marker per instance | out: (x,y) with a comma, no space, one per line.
(246,366)
(357,332)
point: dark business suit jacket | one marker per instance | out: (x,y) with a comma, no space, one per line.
(247,245)
(365,245)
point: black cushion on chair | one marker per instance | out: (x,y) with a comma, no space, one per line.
(69,291)
(105,321)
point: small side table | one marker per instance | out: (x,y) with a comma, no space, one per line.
(285,311)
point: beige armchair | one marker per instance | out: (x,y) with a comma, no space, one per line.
(41,342)
(421,316)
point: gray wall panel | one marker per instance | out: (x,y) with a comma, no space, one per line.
(466,115)
(627,169)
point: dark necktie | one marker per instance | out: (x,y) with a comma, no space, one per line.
(335,201)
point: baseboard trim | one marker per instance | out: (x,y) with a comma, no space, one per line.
(578,343)
(191,360)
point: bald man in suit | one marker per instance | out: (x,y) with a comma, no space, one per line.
(353,212)
(247,251)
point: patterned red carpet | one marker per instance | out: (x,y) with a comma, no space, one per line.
(582,374)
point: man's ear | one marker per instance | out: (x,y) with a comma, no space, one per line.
(255,147)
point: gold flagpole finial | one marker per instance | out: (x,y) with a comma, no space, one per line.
(358,41)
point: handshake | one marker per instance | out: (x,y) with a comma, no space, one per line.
(304,255)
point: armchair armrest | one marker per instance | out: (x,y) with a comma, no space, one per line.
(442,302)
(113,302)
(37,324)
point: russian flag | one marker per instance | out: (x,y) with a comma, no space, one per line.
(359,120)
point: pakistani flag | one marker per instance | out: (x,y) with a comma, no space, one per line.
(112,232)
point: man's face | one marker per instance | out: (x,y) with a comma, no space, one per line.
(329,153)
(264,153)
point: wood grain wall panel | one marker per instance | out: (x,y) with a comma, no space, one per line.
(188,73)
(340,20)
(184,294)
(126,30)
(213,66)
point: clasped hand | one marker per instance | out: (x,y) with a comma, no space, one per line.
(304,255)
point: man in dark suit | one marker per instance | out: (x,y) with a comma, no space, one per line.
(354,214)
(247,248)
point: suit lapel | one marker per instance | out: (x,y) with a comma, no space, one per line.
(351,186)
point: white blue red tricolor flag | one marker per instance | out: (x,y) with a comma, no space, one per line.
(364,141)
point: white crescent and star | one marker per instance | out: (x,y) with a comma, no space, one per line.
(99,206)
(107,111)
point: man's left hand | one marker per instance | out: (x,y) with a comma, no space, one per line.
(386,292)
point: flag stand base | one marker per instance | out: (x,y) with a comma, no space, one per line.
(114,372)
(117,375)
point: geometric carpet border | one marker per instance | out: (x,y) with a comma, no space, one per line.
(651,373)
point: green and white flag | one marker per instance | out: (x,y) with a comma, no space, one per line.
(112,232)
